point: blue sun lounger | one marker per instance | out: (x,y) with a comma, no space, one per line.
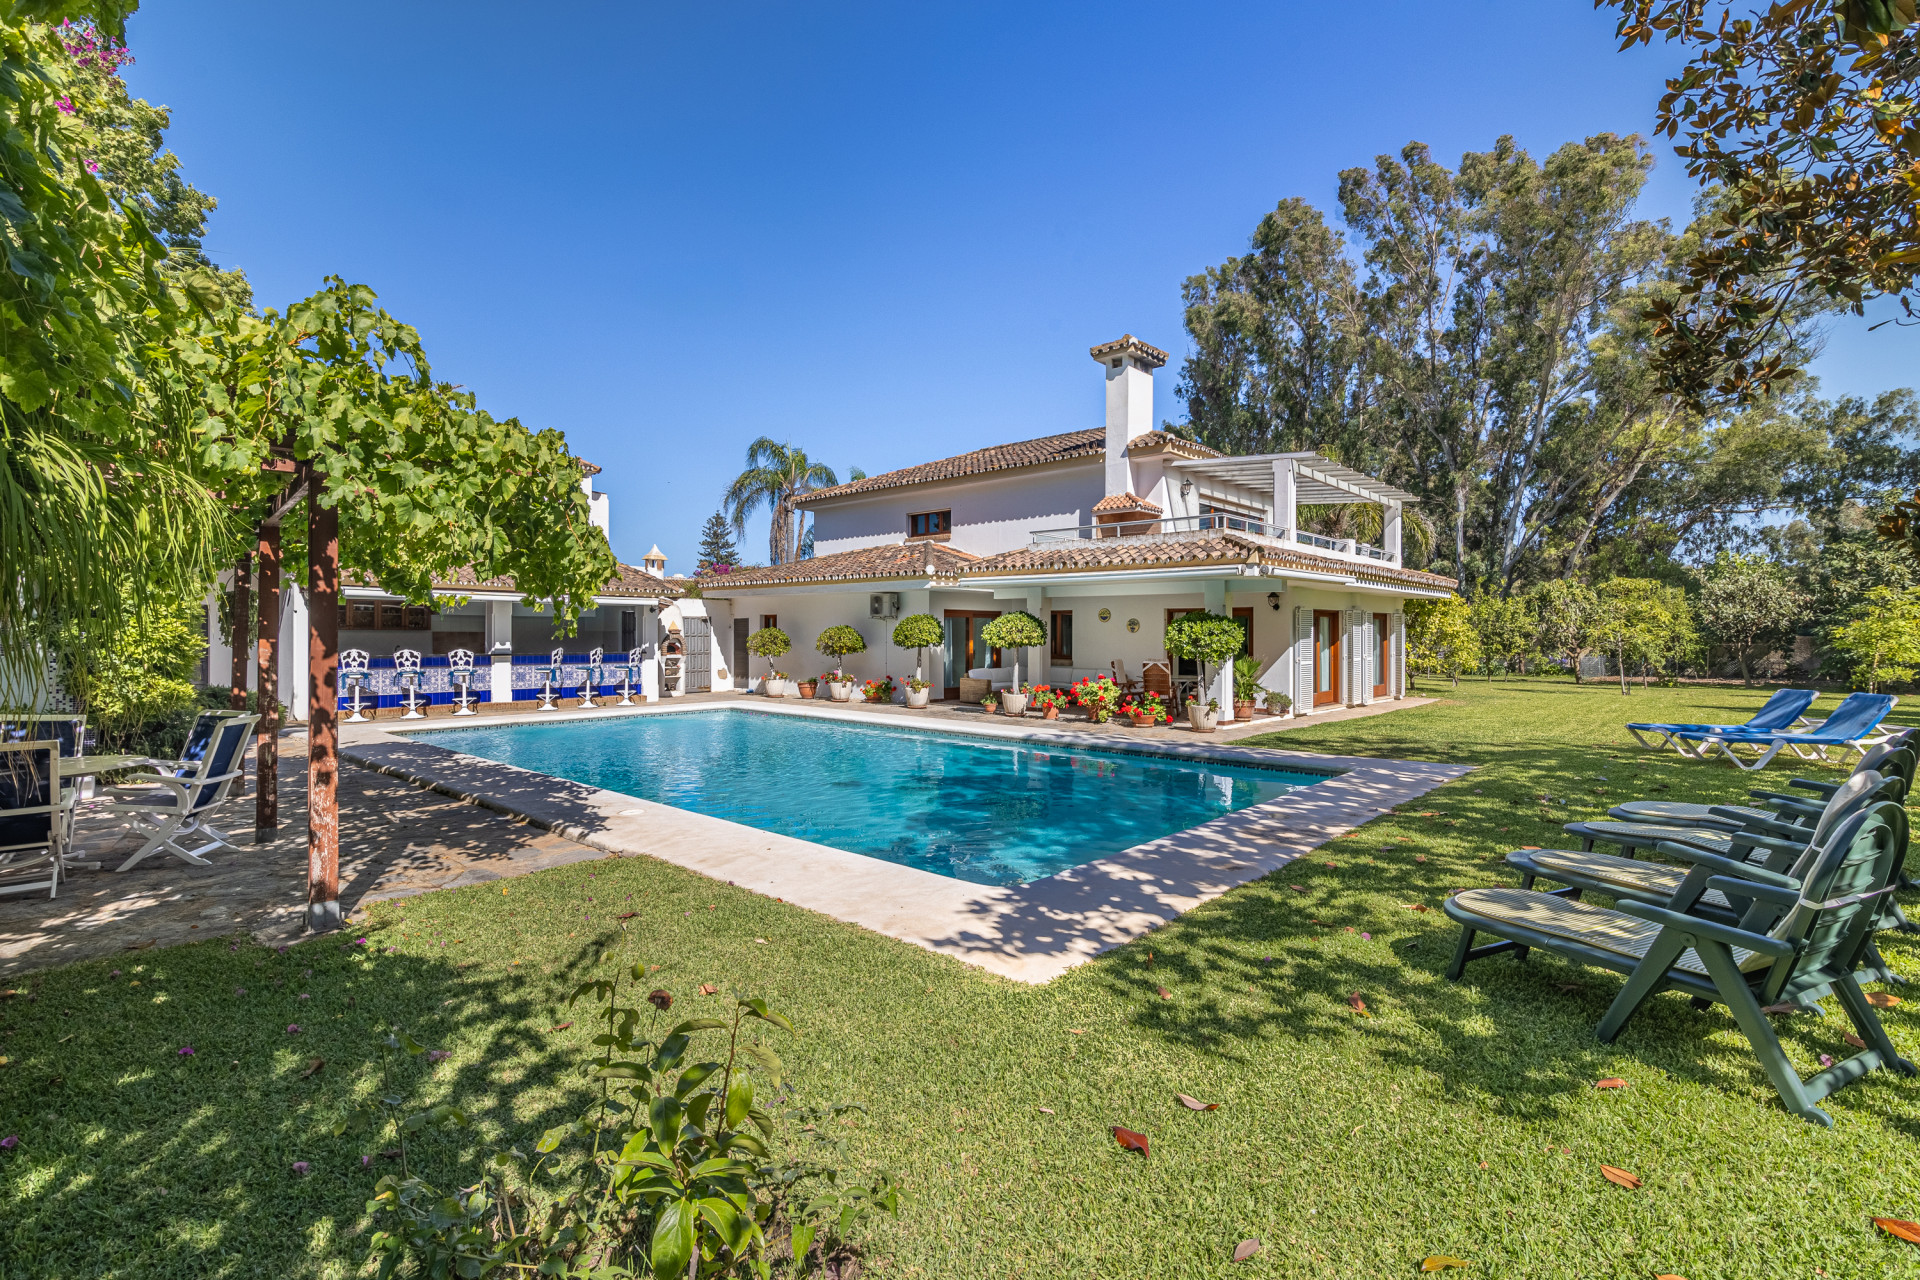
(1854,724)
(1784,711)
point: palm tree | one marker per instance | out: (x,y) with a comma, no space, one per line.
(776,475)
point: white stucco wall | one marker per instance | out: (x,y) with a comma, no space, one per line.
(991,513)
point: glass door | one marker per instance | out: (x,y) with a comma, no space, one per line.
(1326,658)
(964,649)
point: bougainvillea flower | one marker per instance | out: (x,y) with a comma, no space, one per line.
(300,1167)
(9,1142)
(186,1051)
(439,1055)
(293,1028)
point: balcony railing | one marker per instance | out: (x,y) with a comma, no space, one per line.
(1186,528)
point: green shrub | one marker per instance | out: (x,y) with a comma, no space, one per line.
(839,641)
(1016,631)
(919,632)
(769,643)
(138,686)
(1206,638)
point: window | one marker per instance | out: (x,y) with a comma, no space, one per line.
(1062,650)
(769,620)
(930,524)
(384,615)
(1227,517)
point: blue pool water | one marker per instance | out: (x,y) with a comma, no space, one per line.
(972,808)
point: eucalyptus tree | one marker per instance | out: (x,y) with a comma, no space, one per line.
(775,477)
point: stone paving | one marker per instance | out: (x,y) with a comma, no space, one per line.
(395,840)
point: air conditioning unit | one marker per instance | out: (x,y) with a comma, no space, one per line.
(883,604)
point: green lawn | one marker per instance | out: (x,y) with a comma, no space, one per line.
(1458,1119)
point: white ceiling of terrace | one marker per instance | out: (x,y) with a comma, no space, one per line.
(1318,480)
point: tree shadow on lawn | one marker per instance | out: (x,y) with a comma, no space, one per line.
(1506,1039)
(135,1155)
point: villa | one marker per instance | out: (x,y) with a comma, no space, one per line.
(1104,533)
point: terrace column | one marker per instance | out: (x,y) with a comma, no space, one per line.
(1221,689)
(1390,527)
(1040,660)
(500,650)
(1286,499)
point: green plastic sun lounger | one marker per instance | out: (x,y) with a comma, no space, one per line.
(1796,940)
(1893,758)
(1657,883)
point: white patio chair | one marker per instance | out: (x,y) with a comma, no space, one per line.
(35,820)
(592,678)
(356,673)
(407,674)
(629,676)
(550,680)
(175,807)
(460,677)
(1120,677)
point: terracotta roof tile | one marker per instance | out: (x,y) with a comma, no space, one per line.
(626,581)
(1124,502)
(1222,548)
(1154,441)
(893,561)
(1000,457)
(1128,345)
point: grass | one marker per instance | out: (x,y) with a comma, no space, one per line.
(1457,1119)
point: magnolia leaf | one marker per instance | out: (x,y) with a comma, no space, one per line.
(1129,1140)
(1909,1231)
(1854,1040)
(708,989)
(1245,1249)
(1611,1082)
(1076,1031)
(1441,1261)
(1192,1103)
(1620,1177)
(313,1068)
(560,1026)
(1046,1111)
(1298,888)
(1785,1006)
(1164,993)
(1359,1005)
(1881,1000)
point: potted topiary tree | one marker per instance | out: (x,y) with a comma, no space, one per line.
(1014,631)
(1210,640)
(770,643)
(1246,687)
(837,642)
(919,632)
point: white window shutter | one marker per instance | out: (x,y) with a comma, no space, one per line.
(1302,660)
(1354,643)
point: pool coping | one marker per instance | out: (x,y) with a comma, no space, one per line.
(1031,933)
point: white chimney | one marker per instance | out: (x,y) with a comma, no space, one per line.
(1129,365)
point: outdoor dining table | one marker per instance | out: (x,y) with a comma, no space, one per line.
(74,768)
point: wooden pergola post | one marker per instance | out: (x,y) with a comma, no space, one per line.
(323,733)
(266,751)
(240,625)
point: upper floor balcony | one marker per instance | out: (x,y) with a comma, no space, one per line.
(1187,528)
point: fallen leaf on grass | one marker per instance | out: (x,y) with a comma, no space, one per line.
(561,1027)
(761,941)
(1164,993)
(1611,1082)
(1192,1103)
(1909,1231)
(708,989)
(1881,1000)
(1359,1005)
(1854,1040)
(1416,906)
(1419,857)
(628,916)
(140,946)
(1076,1031)
(1440,1262)
(1783,1007)
(1664,1276)
(1620,1177)
(1046,1111)
(63,1039)
(1569,987)
(1245,1249)
(313,1068)
(1129,1140)
(1298,888)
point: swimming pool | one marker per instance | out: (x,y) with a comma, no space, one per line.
(978,809)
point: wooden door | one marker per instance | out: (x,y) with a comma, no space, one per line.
(1326,658)
(1382,656)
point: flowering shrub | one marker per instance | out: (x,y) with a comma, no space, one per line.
(880,690)
(1145,704)
(1097,696)
(1046,697)
(916,684)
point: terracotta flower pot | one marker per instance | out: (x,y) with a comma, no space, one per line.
(1243,711)
(808,688)
(1144,719)
(1051,713)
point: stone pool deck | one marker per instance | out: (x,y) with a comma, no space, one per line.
(414,817)
(1031,932)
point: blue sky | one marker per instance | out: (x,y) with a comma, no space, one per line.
(885,232)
